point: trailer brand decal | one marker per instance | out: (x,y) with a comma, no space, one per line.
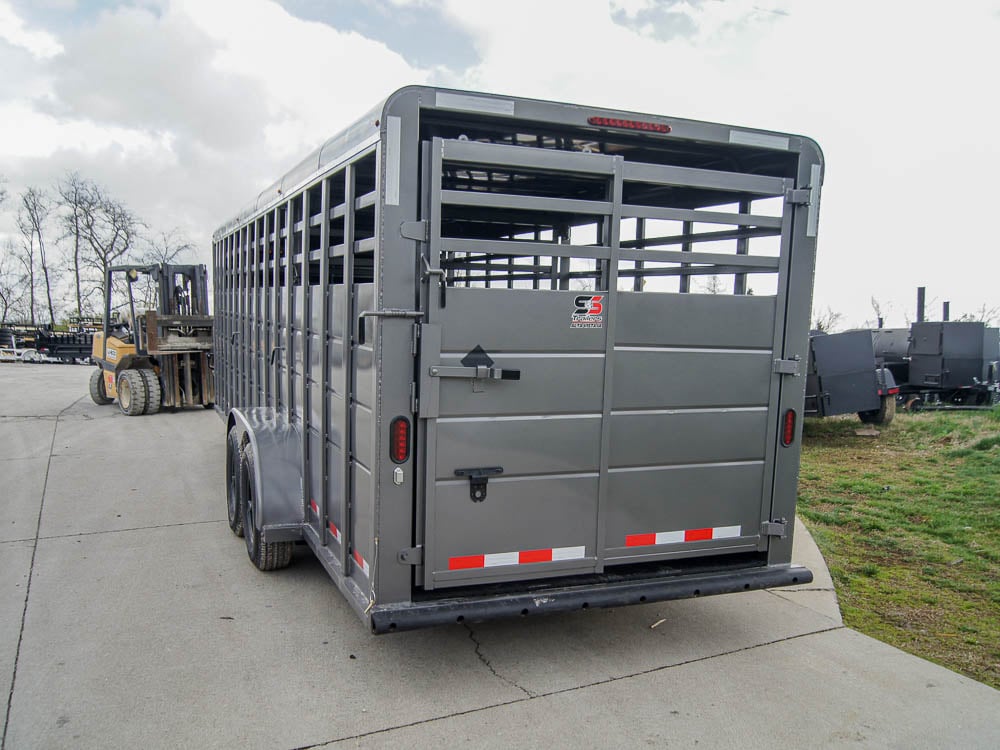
(521,557)
(589,312)
(686,535)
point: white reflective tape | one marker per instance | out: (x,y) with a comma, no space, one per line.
(726,532)
(812,218)
(475,103)
(500,558)
(743,138)
(669,537)
(568,553)
(392,157)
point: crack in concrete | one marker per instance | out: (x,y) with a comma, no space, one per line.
(489,665)
(31,573)
(561,691)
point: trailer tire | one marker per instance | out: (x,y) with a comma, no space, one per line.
(154,393)
(264,555)
(233,464)
(131,393)
(881,416)
(915,404)
(97,393)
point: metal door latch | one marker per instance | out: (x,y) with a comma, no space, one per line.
(774,528)
(787,366)
(479,372)
(478,479)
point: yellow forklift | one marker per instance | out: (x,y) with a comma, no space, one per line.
(160,358)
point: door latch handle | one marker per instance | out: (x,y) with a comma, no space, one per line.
(480,372)
(478,479)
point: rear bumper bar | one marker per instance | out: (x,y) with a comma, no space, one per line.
(390,618)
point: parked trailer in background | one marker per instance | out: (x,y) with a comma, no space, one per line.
(950,364)
(845,378)
(463,355)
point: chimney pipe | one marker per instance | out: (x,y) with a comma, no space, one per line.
(921,292)
(881,322)
(946,311)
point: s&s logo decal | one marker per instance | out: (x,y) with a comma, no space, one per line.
(589,312)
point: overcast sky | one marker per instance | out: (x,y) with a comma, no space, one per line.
(185,108)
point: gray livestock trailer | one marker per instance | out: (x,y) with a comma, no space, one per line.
(492,356)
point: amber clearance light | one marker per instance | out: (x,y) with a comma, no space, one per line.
(614,122)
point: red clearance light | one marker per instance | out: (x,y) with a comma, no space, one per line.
(614,122)
(399,440)
(788,431)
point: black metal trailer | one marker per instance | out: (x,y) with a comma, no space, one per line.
(952,364)
(844,377)
(65,347)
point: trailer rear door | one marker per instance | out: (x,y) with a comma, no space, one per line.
(576,410)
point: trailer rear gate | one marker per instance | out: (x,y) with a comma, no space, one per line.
(527,289)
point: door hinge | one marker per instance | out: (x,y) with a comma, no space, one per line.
(799,196)
(774,528)
(415,340)
(411,555)
(416,230)
(414,401)
(787,366)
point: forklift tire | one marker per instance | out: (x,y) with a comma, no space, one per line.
(265,555)
(131,393)
(881,416)
(154,393)
(97,392)
(233,509)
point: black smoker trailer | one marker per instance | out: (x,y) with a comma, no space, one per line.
(950,364)
(464,354)
(845,378)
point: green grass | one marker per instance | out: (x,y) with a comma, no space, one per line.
(909,523)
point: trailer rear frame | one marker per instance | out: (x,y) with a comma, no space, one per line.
(442,339)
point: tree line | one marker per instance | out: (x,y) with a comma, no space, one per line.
(68,236)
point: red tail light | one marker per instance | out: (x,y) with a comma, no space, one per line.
(614,122)
(788,428)
(399,439)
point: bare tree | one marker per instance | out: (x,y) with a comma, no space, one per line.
(11,289)
(826,320)
(76,195)
(108,230)
(712,285)
(32,216)
(3,189)
(983,314)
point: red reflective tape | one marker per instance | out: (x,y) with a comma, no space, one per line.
(534,556)
(315,508)
(358,558)
(640,540)
(333,529)
(468,561)
(697,535)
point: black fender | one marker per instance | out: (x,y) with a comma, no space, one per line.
(277,470)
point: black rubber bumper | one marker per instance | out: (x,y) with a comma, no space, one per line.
(389,618)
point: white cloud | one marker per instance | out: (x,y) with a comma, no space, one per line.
(13,30)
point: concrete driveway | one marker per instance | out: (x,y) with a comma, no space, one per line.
(130,617)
